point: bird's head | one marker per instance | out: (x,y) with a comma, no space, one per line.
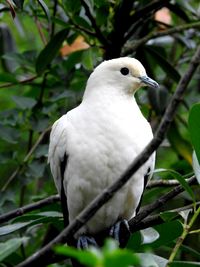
(125,72)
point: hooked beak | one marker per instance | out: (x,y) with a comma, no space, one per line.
(148,81)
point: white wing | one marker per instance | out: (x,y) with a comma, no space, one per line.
(58,149)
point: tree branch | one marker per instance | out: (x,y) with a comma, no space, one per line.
(156,219)
(25,209)
(108,193)
(30,79)
(132,46)
(163,183)
(133,223)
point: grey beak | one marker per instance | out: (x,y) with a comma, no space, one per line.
(149,82)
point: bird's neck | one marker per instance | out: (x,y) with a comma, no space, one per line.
(107,95)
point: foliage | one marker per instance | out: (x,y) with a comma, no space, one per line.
(46,55)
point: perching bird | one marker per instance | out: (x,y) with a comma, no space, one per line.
(93,144)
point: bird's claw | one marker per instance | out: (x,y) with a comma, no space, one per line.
(120,232)
(84,242)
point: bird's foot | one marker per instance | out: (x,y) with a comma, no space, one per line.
(120,232)
(84,242)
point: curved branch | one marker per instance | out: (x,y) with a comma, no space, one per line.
(108,193)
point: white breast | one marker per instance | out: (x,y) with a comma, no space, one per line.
(100,146)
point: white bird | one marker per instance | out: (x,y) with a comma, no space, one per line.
(93,144)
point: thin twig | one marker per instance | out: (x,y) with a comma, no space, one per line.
(157,204)
(25,209)
(180,240)
(132,46)
(5,85)
(108,193)
(156,219)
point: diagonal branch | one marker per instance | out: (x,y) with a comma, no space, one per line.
(132,46)
(108,193)
(156,219)
(33,206)
(133,223)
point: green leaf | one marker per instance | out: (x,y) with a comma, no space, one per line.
(19,3)
(10,228)
(120,258)
(179,10)
(10,246)
(194,128)
(163,63)
(86,257)
(24,102)
(9,134)
(148,259)
(50,51)
(168,232)
(7,77)
(87,59)
(179,144)
(168,215)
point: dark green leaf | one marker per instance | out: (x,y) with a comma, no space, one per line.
(88,258)
(9,134)
(120,258)
(19,3)
(10,246)
(179,144)
(168,232)
(163,63)
(179,11)
(10,228)
(50,51)
(7,77)
(24,102)
(194,128)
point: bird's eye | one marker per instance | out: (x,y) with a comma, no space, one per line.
(124,71)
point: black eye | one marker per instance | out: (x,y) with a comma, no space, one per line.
(124,71)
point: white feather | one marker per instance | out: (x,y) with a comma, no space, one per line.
(101,138)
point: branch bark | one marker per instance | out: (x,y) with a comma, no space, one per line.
(25,209)
(107,194)
(134,222)
(163,183)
